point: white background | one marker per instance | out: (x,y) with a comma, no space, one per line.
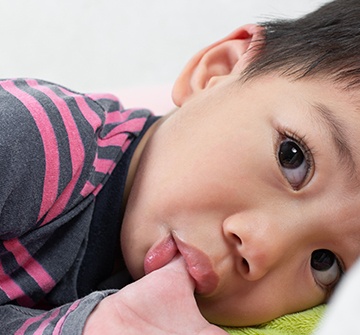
(106,45)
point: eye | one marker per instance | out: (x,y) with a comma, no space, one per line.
(295,161)
(325,268)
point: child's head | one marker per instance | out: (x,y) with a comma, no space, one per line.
(255,182)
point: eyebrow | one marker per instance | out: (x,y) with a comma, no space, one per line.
(338,133)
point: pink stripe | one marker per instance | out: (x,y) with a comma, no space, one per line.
(103,165)
(30,265)
(49,141)
(126,145)
(114,117)
(27,323)
(59,325)
(9,286)
(90,115)
(46,322)
(133,125)
(116,141)
(118,116)
(97,190)
(125,114)
(63,199)
(98,96)
(87,189)
(90,188)
(77,152)
(107,96)
(116,137)
(100,165)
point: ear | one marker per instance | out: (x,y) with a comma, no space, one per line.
(229,55)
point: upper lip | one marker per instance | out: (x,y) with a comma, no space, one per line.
(199,267)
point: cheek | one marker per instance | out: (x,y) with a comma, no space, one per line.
(188,172)
(258,302)
(208,156)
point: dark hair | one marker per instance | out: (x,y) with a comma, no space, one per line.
(325,42)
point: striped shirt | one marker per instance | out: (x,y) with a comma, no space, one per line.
(57,148)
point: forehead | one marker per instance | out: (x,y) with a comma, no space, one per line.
(332,107)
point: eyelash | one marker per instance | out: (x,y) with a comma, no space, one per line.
(301,141)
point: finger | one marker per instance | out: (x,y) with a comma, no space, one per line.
(177,264)
(177,268)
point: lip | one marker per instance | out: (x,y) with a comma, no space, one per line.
(160,254)
(198,263)
(199,267)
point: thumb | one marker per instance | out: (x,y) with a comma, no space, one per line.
(177,269)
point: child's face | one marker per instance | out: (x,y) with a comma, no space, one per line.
(257,185)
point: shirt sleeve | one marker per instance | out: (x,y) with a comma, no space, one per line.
(68,319)
(57,148)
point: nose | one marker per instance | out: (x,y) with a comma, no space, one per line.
(258,243)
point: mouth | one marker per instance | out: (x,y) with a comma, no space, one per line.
(160,254)
(198,263)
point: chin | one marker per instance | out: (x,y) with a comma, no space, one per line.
(223,317)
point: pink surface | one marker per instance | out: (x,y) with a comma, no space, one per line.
(156,98)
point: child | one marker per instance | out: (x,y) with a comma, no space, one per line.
(246,195)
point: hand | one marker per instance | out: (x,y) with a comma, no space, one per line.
(161,303)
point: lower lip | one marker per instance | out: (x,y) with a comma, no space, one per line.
(160,255)
(198,263)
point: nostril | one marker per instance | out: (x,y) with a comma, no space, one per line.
(245,265)
(237,239)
